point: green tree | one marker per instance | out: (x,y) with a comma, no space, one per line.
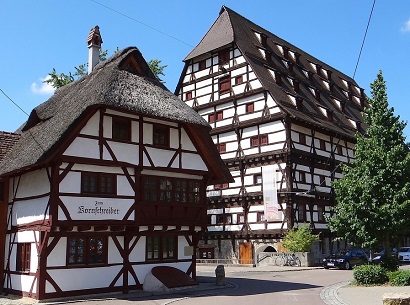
(299,239)
(372,199)
(57,80)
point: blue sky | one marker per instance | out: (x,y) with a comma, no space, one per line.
(37,36)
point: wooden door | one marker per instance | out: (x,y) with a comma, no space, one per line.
(245,253)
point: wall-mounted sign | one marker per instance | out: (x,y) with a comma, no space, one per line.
(270,193)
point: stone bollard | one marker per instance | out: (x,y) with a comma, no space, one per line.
(220,275)
(396,299)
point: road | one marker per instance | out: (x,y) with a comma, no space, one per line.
(246,286)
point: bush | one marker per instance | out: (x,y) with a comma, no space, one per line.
(390,263)
(299,239)
(370,275)
(400,278)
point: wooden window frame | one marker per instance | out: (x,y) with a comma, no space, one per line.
(322,144)
(188,95)
(160,135)
(320,214)
(257,177)
(221,186)
(220,220)
(23,257)
(238,79)
(202,65)
(221,147)
(339,149)
(224,56)
(239,216)
(215,117)
(86,251)
(302,138)
(224,84)
(250,107)
(302,177)
(164,244)
(100,187)
(158,189)
(121,129)
(260,216)
(301,212)
(259,140)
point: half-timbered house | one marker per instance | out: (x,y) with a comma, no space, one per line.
(283,122)
(106,180)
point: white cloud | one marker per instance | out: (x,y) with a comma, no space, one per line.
(42,88)
(406,26)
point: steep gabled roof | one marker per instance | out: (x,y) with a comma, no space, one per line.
(7,141)
(333,110)
(123,82)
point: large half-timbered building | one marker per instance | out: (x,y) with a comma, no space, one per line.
(105,181)
(283,122)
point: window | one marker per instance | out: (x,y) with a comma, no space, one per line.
(161,135)
(98,183)
(202,65)
(302,177)
(121,129)
(238,80)
(224,84)
(228,219)
(87,251)
(259,140)
(322,144)
(221,186)
(23,257)
(221,147)
(302,138)
(219,219)
(241,218)
(260,216)
(257,179)
(320,214)
(217,116)
(188,95)
(301,212)
(171,190)
(161,247)
(224,57)
(249,107)
(322,180)
(339,150)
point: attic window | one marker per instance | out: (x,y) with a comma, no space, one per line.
(121,129)
(202,65)
(188,95)
(264,40)
(224,56)
(161,135)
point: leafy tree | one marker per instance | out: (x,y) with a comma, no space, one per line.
(299,239)
(372,199)
(58,80)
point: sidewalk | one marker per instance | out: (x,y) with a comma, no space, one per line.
(337,294)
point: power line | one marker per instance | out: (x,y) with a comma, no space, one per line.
(13,102)
(364,38)
(142,23)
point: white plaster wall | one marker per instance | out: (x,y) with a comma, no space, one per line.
(107,127)
(186,142)
(193,161)
(138,253)
(34,183)
(71,183)
(124,152)
(148,132)
(27,237)
(114,256)
(135,134)
(57,257)
(98,169)
(174,138)
(123,186)
(74,204)
(83,147)
(159,157)
(27,211)
(182,243)
(91,127)
(88,278)
(272,127)
(23,282)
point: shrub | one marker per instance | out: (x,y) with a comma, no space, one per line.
(370,275)
(400,278)
(299,239)
(390,263)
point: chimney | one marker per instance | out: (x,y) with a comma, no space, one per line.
(94,42)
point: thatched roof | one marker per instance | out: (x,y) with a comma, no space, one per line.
(123,82)
(232,28)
